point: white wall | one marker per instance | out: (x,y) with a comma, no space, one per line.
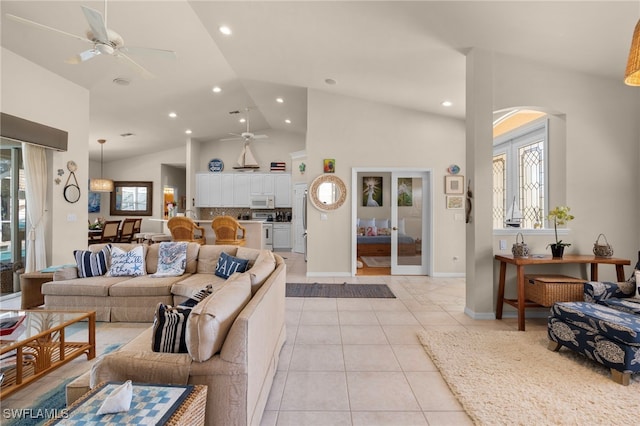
(602,151)
(358,133)
(33,93)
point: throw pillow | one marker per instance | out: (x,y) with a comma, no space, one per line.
(382,223)
(196,298)
(401,226)
(92,264)
(384,231)
(172,259)
(127,263)
(366,223)
(371,231)
(169,329)
(228,265)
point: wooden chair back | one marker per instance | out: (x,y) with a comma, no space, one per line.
(137,225)
(110,231)
(185,229)
(126,232)
(226,229)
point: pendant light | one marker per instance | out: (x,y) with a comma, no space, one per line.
(632,74)
(102,184)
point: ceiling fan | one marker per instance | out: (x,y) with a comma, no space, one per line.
(104,40)
(246,136)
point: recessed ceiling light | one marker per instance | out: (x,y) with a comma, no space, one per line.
(279,100)
(188,131)
(446,103)
(120,81)
(287,121)
(242,120)
(173,115)
(330,81)
(225,30)
(216,89)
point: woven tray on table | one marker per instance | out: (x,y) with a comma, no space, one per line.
(548,289)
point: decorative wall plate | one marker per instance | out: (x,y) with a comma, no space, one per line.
(454,169)
(72,166)
(216,165)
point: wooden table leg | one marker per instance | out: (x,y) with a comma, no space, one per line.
(594,272)
(500,302)
(92,336)
(521,300)
(620,273)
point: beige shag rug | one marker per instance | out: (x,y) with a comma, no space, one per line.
(511,378)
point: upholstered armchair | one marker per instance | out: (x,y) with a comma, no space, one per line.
(185,229)
(226,229)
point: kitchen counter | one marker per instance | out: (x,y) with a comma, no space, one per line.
(253,231)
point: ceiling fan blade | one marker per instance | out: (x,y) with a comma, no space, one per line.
(45,27)
(260,137)
(83,56)
(136,50)
(136,66)
(96,23)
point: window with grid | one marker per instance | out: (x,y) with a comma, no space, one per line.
(520,176)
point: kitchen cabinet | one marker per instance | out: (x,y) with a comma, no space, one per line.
(262,184)
(282,190)
(281,236)
(241,189)
(203,197)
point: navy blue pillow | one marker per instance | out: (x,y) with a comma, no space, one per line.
(227,265)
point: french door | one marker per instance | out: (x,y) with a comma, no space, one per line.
(410,219)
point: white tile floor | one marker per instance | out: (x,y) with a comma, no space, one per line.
(346,361)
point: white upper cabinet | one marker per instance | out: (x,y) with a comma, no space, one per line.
(202,190)
(282,192)
(262,184)
(241,189)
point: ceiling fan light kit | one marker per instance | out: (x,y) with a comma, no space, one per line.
(632,74)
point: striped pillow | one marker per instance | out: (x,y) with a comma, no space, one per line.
(169,329)
(92,264)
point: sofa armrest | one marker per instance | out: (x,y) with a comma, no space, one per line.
(142,366)
(68,273)
(595,291)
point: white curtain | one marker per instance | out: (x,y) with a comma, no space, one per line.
(35,168)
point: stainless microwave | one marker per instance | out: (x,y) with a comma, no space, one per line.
(262,202)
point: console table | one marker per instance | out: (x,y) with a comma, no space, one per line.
(521,262)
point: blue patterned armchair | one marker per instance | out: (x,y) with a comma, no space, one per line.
(605,327)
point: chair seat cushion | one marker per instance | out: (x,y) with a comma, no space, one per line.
(630,305)
(599,319)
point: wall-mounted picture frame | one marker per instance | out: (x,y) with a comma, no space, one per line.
(405,192)
(372,191)
(455,202)
(454,184)
(329,165)
(94,202)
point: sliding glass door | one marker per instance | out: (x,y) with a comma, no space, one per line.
(12,213)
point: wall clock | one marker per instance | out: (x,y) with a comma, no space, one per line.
(216,165)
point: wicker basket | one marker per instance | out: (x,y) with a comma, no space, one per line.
(548,289)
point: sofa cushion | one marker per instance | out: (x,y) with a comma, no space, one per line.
(187,287)
(211,319)
(169,326)
(92,264)
(94,286)
(127,263)
(191,264)
(263,266)
(172,259)
(208,257)
(144,285)
(228,265)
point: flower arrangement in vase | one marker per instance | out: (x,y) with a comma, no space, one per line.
(560,216)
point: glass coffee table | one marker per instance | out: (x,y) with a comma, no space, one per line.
(38,344)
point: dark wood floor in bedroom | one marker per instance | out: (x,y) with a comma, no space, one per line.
(365,270)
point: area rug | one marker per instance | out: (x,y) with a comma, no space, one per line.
(371,291)
(511,378)
(385,261)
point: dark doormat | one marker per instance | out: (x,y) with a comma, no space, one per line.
(372,291)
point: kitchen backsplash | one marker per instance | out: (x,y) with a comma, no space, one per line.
(242,213)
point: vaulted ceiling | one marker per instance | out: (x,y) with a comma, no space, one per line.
(409,54)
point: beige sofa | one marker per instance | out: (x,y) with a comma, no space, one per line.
(234,336)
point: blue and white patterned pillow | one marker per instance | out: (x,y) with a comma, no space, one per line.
(92,264)
(172,259)
(228,264)
(127,263)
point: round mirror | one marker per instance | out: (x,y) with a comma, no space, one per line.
(72,193)
(328,192)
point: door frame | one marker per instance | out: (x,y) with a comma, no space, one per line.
(427,225)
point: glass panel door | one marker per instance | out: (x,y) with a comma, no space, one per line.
(409,216)
(12,215)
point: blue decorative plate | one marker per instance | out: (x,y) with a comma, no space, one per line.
(216,165)
(454,169)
